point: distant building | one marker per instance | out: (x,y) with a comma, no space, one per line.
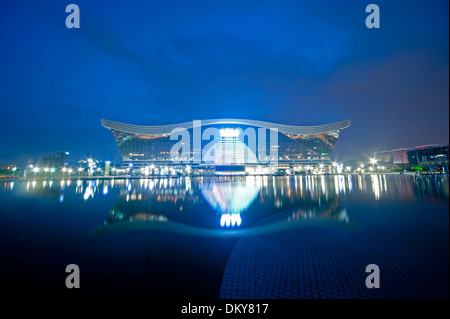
(429,155)
(400,156)
(428,146)
(58,159)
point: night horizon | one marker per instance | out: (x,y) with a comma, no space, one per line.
(290,63)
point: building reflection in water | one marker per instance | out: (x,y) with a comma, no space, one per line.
(377,186)
(232,202)
(332,212)
(230,199)
(290,235)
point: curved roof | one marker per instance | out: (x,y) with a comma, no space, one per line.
(167,129)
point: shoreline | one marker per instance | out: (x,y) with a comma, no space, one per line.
(10,178)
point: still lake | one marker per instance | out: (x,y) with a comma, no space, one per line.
(227,237)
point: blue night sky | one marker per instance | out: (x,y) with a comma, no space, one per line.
(163,62)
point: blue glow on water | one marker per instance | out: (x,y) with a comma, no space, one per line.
(230,233)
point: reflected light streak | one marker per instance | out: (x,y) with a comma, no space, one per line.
(230,220)
(375,186)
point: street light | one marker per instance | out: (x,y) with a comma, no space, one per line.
(335,164)
(373,161)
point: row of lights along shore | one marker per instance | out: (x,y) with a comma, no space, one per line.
(151,169)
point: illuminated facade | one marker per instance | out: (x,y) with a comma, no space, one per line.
(258,142)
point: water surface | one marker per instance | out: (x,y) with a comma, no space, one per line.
(227,237)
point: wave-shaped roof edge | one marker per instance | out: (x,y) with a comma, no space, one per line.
(167,129)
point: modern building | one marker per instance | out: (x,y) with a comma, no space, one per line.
(226,144)
(400,156)
(59,159)
(429,155)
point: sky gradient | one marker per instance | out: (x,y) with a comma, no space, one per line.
(163,62)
